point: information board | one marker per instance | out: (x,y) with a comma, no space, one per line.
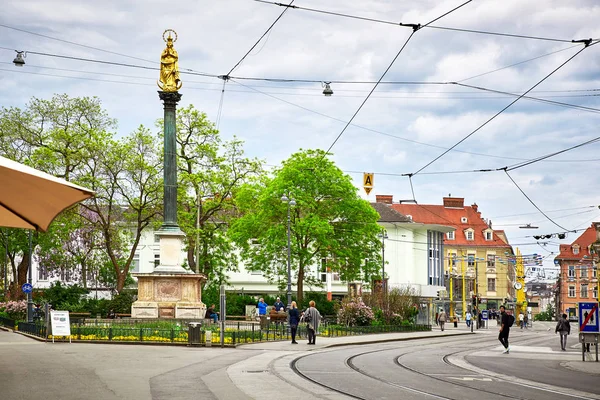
(588,317)
(61,325)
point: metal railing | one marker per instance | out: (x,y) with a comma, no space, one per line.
(235,332)
(32,328)
(7,322)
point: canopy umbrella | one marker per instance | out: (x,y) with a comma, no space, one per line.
(31,199)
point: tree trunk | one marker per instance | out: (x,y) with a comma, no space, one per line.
(21,276)
(300,285)
(121,280)
(84,275)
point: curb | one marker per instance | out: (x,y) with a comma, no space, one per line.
(396,340)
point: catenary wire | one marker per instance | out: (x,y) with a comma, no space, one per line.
(261,38)
(535,205)
(415,29)
(549,211)
(76,44)
(401,24)
(395,136)
(504,109)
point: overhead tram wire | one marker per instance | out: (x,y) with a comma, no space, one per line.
(75,43)
(395,136)
(588,44)
(549,211)
(381,21)
(558,103)
(535,205)
(226,77)
(415,28)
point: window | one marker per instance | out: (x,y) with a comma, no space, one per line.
(584,271)
(451,261)
(470,235)
(576,249)
(594,273)
(156,260)
(450,235)
(571,271)
(335,276)
(471,261)
(595,292)
(156,239)
(584,292)
(491,284)
(488,235)
(491,261)
(571,291)
(463,220)
(135,263)
(42,273)
(435,262)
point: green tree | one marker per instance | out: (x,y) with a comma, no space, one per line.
(210,174)
(72,138)
(329,221)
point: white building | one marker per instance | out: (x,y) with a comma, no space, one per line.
(413,254)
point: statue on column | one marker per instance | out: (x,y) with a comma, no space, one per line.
(169,65)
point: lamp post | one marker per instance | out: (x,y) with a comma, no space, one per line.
(29,294)
(383,235)
(290,203)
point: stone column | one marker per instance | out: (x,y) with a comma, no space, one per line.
(170,100)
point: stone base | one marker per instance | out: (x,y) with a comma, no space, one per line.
(164,295)
(184,310)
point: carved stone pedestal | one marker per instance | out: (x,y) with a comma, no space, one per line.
(164,295)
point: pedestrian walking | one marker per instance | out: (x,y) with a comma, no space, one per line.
(564,328)
(525,321)
(294,318)
(468,318)
(521,319)
(506,322)
(312,317)
(442,317)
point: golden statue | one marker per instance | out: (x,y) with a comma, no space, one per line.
(169,66)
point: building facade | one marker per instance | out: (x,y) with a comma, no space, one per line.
(478,260)
(578,278)
(413,253)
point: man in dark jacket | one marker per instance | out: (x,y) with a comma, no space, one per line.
(564,328)
(504,329)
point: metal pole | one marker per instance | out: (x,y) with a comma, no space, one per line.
(29,295)
(383,288)
(198,235)
(5,264)
(289,260)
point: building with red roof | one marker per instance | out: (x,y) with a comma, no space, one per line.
(578,279)
(474,251)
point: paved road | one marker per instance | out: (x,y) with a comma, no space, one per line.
(437,365)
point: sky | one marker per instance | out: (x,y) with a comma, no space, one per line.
(400,128)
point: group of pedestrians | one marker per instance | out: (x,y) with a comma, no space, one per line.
(310,316)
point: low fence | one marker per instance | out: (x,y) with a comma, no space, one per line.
(7,322)
(32,328)
(235,333)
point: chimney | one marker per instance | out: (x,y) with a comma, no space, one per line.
(384,198)
(454,202)
(475,206)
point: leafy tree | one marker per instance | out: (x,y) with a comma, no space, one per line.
(72,138)
(328,221)
(210,174)
(61,296)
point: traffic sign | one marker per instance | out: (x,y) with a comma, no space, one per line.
(588,317)
(484,314)
(27,288)
(368,182)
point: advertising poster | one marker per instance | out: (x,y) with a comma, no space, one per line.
(61,326)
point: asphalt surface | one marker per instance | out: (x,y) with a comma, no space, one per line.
(421,365)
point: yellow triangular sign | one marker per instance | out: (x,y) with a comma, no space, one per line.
(368,189)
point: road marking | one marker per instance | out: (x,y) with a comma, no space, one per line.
(471,378)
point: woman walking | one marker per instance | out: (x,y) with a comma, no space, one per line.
(294,317)
(312,317)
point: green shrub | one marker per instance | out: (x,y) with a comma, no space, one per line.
(121,303)
(60,296)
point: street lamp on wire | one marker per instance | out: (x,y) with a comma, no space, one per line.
(290,203)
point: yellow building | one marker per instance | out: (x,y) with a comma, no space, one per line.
(479,259)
